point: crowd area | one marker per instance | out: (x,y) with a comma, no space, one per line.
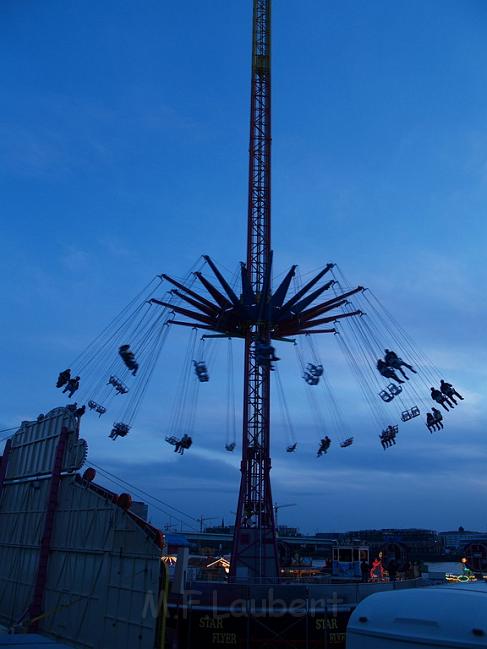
(391,570)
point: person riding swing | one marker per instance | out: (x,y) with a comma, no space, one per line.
(128,358)
(63,378)
(324,446)
(387,372)
(392,360)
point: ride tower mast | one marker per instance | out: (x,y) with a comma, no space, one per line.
(258,316)
(254,555)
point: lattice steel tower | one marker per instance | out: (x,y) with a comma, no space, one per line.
(254,555)
(258,315)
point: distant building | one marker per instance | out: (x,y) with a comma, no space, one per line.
(332,536)
(284,530)
(454,540)
(413,542)
(218,529)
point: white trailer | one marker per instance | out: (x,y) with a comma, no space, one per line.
(451,615)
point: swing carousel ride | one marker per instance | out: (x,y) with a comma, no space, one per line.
(397,380)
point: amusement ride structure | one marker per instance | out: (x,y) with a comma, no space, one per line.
(258,316)
(81,562)
(252,310)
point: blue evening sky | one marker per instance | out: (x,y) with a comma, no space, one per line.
(123,153)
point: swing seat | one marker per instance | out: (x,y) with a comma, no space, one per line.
(385,396)
(92,405)
(120,387)
(347,442)
(291,448)
(230,447)
(314,370)
(171,439)
(201,371)
(394,389)
(311,379)
(389,435)
(119,430)
(410,414)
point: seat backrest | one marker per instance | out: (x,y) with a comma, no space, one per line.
(394,389)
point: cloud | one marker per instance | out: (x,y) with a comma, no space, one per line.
(75,259)
(80,133)
(31,152)
(117,248)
